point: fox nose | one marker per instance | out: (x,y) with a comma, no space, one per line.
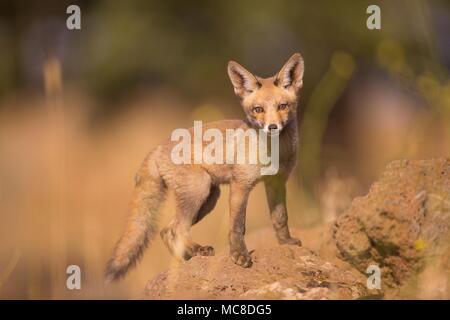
(272,127)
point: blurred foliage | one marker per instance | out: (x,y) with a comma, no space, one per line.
(186,45)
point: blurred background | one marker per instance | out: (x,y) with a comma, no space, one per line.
(79,110)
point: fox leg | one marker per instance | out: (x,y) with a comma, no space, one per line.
(276,196)
(238,205)
(208,205)
(205,209)
(191,199)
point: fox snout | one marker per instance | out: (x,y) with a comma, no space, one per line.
(273,128)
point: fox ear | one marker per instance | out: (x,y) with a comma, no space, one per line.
(244,82)
(291,75)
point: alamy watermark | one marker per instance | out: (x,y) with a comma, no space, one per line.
(230,146)
(374,278)
(374,20)
(73,281)
(73,21)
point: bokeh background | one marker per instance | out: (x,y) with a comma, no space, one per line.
(80,109)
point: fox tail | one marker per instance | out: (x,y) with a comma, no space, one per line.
(148,195)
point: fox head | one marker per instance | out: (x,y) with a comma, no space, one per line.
(269,103)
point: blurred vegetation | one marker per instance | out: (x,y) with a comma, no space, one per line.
(186,45)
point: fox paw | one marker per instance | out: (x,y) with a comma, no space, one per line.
(194,249)
(242,259)
(291,241)
(205,251)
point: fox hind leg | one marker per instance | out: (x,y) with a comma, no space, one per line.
(194,200)
(205,209)
(208,205)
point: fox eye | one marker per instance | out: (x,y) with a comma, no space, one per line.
(282,106)
(258,109)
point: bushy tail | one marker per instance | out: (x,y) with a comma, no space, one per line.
(148,195)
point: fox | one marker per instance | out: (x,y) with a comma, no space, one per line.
(270,104)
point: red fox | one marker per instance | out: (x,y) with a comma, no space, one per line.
(270,105)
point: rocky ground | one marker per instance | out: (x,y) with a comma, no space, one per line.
(279,272)
(402,226)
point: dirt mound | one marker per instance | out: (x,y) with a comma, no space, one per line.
(278,272)
(403,226)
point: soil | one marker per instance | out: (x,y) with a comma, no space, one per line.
(278,272)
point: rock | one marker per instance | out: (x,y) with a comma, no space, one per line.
(278,272)
(403,226)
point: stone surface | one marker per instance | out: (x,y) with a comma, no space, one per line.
(403,226)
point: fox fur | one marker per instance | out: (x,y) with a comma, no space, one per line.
(269,104)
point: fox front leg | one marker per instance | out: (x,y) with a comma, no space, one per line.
(238,206)
(276,197)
